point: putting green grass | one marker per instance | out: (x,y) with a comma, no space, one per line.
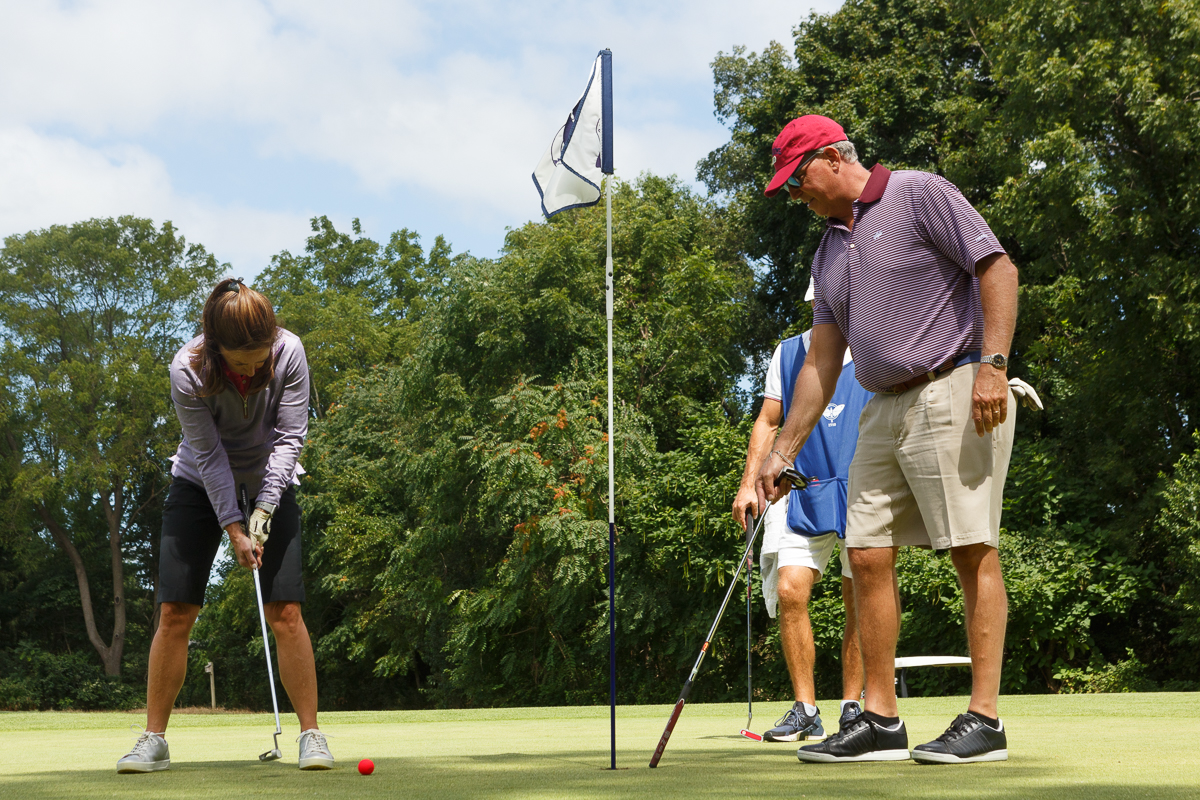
(1075,746)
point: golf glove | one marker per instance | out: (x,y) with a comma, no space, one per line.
(260,523)
(1025,394)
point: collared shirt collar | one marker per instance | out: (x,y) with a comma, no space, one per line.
(240,382)
(876,184)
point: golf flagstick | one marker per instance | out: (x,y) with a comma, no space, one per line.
(749,734)
(570,171)
(273,754)
(799,482)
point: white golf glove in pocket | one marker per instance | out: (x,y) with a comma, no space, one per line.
(260,523)
(1025,394)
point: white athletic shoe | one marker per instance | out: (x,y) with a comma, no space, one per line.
(314,750)
(149,754)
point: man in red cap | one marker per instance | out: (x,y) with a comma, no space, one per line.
(908,275)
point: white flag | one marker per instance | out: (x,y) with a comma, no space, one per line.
(569,174)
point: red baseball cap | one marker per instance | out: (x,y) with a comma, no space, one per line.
(798,138)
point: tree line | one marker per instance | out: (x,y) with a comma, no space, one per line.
(455,504)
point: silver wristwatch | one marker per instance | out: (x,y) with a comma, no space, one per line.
(999,361)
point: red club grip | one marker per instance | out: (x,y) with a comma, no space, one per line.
(662,743)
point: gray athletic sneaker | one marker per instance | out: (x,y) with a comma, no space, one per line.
(796,725)
(149,754)
(850,712)
(314,750)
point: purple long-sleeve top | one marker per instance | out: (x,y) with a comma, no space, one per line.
(229,440)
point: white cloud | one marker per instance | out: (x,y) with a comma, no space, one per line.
(410,96)
(55,180)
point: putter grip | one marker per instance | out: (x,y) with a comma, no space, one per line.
(662,743)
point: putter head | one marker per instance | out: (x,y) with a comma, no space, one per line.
(757,737)
(798,481)
(272,755)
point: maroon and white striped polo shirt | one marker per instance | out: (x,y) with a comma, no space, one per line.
(902,286)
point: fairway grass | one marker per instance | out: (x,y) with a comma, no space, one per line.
(1071,746)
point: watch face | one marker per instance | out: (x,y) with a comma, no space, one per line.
(998,361)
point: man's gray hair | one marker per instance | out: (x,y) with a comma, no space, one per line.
(846,151)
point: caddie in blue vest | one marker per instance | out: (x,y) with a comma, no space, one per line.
(802,530)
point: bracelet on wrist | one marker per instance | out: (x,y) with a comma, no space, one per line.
(786,460)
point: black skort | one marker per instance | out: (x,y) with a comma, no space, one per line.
(191,536)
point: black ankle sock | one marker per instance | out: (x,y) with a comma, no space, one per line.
(883,722)
(991,722)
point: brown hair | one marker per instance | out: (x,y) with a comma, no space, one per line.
(237,318)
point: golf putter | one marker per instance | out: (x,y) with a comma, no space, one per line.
(273,754)
(798,482)
(749,734)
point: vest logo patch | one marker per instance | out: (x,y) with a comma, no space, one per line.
(832,412)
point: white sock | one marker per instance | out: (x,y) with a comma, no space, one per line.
(842,710)
(810,710)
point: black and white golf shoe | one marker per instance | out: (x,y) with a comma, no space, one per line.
(968,739)
(862,740)
(795,725)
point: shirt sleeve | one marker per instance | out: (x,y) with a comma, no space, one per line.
(952,225)
(822,314)
(772,388)
(291,424)
(200,431)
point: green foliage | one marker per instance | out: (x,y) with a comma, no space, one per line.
(354,303)
(1178,527)
(91,315)
(456,502)
(897,74)
(461,504)
(522,636)
(1102,128)
(1073,127)
(1059,581)
(1128,675)
(35,680)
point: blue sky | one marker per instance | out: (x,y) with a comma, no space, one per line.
(240,119)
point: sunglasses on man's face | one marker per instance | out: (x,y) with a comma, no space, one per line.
(797,178)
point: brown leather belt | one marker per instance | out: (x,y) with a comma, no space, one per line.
(924,377)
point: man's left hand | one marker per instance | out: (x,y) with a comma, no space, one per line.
(989,400)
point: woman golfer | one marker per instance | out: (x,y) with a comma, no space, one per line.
(241,393)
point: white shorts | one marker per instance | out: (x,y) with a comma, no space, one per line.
(782,548)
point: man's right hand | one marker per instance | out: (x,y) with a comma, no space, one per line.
(745,504)
(770,485)
(244,550)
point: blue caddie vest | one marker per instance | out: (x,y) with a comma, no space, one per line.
(821,508)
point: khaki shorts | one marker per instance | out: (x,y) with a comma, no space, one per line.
(921,475)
